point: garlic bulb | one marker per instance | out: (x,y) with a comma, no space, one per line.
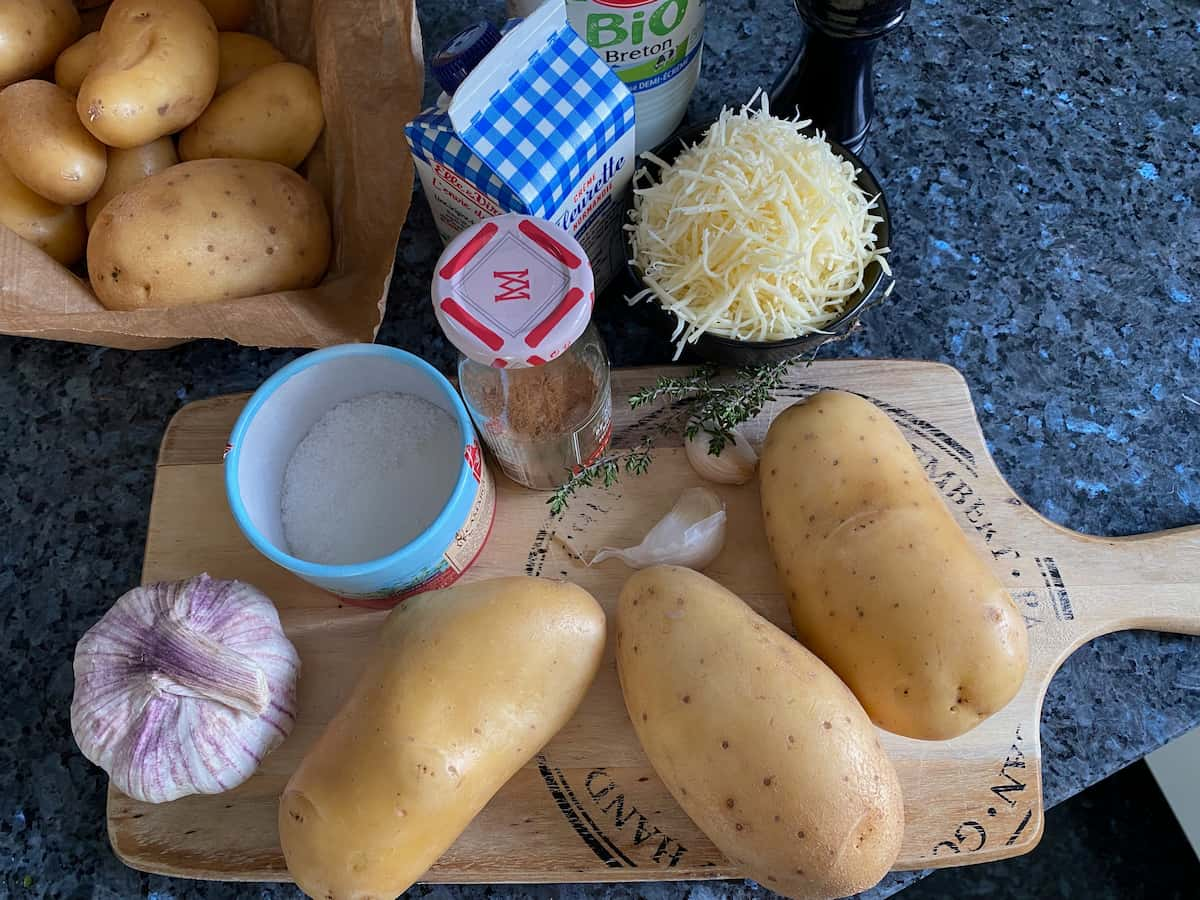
(182,688)
(735,465)
(691,534)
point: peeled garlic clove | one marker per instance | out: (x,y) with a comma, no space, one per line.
(183,687)
(735,465)
(691,535)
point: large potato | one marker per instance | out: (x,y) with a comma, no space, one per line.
(464,686)
(214,229)
(758,741)
(230,15)
(32,34)
(127,167)
(58,230)
(74,63)
(882,582)
(273,114)
(240,54)
(46,147)
(155,71)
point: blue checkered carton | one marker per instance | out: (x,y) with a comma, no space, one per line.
(541,126)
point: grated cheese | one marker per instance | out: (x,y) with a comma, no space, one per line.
(757,233)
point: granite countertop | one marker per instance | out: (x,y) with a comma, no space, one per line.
(1043,171)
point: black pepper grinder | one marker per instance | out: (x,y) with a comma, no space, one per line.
(829,79)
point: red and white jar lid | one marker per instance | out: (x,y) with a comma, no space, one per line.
(513,290)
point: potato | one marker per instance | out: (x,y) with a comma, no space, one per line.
(46,147)
(58,230)
(240,54)
(230,15)
(155,71)
(75,62)
(214,229)
(463,688)
(274,114)
(32,34)
(758,741)
(882,583)
(127,167)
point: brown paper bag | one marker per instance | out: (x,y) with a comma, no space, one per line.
(367,56)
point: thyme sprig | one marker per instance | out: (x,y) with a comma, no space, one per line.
(605,471)
(717,407)
(703,401)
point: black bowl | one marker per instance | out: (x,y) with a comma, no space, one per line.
(729,351)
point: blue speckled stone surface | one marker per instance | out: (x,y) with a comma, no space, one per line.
(1043,171)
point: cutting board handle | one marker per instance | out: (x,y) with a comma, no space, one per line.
(1150,581)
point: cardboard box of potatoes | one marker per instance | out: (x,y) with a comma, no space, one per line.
(181,169)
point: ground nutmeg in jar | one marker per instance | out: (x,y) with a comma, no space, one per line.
(514,294)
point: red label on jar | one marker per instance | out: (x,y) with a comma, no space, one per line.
(600,448)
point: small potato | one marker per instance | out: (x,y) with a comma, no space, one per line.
(759,742)
(32,34)
(75,62)
(58,230)
(882,583)
(463,688)
(127,167)
(241,54)
(46,147)
(274,114)
(213,229)
(230,15)
(155,71)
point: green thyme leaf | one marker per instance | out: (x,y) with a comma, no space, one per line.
(704,403)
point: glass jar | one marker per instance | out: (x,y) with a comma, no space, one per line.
(514,294)
(543,422)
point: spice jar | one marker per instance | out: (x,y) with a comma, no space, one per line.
(514,294)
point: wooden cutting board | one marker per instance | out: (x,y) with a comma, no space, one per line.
(589,807)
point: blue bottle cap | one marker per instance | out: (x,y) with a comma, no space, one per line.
(454,62)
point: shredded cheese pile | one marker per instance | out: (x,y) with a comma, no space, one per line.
(758,232)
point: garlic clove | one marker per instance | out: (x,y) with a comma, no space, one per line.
(182,688)
(735,464)
(691,534)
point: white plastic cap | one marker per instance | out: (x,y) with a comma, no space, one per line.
(513,291)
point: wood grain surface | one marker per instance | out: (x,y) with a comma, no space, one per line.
(589,807)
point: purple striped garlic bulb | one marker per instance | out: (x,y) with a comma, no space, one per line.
(183,687)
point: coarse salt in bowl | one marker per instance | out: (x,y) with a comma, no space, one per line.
(418,519)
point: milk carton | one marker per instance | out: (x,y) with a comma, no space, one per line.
(532,122)
(654,46)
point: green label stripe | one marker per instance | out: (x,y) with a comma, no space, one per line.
(651,67)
